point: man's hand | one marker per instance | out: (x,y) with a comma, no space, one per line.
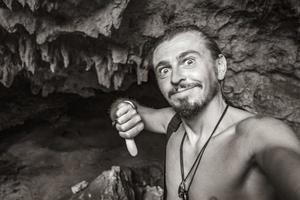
(127,121)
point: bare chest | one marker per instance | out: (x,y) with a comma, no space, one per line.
(224,172)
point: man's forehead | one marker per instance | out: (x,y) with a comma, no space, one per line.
(181,42)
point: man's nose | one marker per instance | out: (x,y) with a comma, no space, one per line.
(176,77)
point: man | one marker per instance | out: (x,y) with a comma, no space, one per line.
(218,151)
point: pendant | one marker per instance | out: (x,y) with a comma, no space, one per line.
(182,193)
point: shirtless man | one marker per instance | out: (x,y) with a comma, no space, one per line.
(246,157)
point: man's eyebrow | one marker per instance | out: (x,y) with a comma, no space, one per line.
(161,63)
(183,54)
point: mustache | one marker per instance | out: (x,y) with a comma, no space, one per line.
(175,89)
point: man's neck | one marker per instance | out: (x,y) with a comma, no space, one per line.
(200,127)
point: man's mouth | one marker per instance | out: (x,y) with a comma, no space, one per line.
(183,88)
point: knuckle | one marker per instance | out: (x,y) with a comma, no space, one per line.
(122,128)
(138,118)
(123,119)
(128,135)
(123,134)
(117,126)
(142,126)
(119,113)
(132,111)
(122,104)
(133,133)
(126,106)
(120,120)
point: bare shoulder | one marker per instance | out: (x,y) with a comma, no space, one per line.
(261,132)
(265,126)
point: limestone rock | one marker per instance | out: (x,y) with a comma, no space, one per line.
(77,46)
(40,49)
(114,184)
(153,193)
(125,183)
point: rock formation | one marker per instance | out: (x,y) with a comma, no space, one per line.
(77,46)
(118,183)
(113,184)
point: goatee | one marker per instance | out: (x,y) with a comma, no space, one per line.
(189,110)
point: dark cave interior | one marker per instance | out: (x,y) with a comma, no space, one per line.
(67,139)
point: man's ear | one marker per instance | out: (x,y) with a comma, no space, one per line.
(221,64)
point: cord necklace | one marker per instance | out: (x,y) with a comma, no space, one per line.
(183,188)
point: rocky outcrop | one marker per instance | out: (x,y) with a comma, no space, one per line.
(119,183)
(45,38)
(113,184)
(84,46)
(44,161)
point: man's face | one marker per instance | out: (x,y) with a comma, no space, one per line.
(185,72)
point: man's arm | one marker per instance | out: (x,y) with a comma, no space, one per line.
(156,120)
(131,121)
(277,152)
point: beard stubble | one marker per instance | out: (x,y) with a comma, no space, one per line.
(189,110)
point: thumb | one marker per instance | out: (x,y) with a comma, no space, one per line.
(131,147)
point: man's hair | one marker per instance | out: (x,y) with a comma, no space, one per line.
(172,32)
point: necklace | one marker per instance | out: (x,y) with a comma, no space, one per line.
(183,188)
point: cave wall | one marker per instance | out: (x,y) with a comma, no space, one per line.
(81,47)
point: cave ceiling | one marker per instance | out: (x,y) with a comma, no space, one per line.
(77,46)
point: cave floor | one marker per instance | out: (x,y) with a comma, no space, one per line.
(44,161)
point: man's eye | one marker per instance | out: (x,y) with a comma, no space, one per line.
(163,71)
(189,61)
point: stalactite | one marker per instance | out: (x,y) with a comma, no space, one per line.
(119,55)
(50,6)
(5,72)
(33,4)
(134,59)
(27,53)
(54,60)
(42,31)
(89,63)
(45,55)
(22,2)
(8,71)
(50,54)
(22,49)
(53,65)
(101,71)
(8,3)
(30,55)
(145,67)
(118,79)
(109,62)
(65,55)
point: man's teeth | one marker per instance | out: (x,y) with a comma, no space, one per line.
(183,89)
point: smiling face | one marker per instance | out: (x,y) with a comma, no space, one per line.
(186,73)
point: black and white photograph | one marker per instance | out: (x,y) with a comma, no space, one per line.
(149,100)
